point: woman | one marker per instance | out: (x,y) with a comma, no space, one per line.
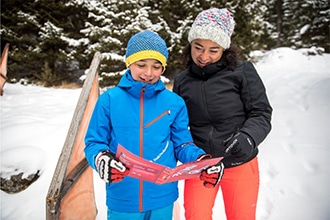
(229,116)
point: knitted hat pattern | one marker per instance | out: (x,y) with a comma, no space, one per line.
(213,24)
(146,45)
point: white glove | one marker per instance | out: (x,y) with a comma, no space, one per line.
(109,169)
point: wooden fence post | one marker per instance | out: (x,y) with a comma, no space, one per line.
(3,68)
(71,192)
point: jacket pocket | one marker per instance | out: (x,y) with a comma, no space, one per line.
(167,112)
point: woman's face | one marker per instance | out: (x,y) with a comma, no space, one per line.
(147,70)
(205,52)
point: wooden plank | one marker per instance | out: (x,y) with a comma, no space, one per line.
(72,151)
(79,202)
(3,68)
(176,210)
(73,176)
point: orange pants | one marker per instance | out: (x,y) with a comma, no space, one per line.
(239,186)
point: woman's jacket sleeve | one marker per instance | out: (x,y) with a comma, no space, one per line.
(256,104)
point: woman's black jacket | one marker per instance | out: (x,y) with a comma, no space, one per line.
(221,102)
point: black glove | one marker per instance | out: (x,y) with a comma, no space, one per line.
(109,169)
(240,145)
(211,175)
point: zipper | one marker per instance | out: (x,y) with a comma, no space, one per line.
(141,144)
(167,112)
(211,131)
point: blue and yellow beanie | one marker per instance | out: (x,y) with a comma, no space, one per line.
(146,45)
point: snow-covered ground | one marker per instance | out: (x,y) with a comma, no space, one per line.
(294,158)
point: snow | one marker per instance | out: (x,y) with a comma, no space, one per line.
(293,160)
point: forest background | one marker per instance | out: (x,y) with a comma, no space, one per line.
(52,42)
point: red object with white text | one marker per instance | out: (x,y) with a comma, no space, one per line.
(156,173)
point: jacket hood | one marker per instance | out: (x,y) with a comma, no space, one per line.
(134,88)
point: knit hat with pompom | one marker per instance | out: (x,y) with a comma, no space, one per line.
(213,24)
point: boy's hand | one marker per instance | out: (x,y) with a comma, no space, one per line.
(109,169)
(212,175)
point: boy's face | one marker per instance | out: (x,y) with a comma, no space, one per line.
(147,70)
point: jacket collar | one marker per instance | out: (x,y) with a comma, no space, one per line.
(134,88)
(207,71)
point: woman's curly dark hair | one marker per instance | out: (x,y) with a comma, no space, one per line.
(230,56)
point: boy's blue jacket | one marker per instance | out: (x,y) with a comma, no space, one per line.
(150,121)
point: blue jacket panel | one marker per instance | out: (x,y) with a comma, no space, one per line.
(149,121)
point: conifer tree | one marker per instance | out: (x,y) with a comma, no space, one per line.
(313,25)
(299,23)
(38,34)
(54,40)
